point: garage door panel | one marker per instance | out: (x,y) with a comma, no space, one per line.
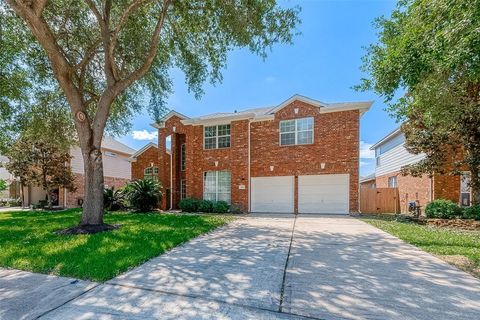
(323,193)
(273,194)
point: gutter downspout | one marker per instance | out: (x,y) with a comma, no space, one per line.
(171,178)
(249,182)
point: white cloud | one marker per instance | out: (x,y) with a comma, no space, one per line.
(270,79)
(365,152)
(144,135)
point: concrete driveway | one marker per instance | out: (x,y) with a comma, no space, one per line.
(278,267)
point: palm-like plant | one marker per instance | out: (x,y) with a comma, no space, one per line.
(113,200)
(144,195)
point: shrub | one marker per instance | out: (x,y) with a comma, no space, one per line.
(14,203)
(444,209)
(113,200)
(144,195)
(189,204)
(472,212)
(205,206)
(235,209)
(220,207)
(3,185)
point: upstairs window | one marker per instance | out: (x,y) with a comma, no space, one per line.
(217,137)
(296,131)
(110,154)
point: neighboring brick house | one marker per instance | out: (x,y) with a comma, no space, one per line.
(368,181)
(116,169)
(391,155)
(145,162)
(300,156)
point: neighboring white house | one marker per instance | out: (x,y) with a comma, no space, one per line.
(116,168)
(4,175)
(391,155)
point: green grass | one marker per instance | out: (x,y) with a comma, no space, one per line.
(28,241)
(438,241)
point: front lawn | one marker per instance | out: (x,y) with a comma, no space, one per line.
(28,241)
(460,248)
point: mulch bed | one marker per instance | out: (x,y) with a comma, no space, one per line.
(464,224)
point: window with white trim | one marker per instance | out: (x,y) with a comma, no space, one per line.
(150,173)
(216,185)
(465,189)
(296,131)
(110,154)
(392,182)
(182,157)
(183,189)
(216,137)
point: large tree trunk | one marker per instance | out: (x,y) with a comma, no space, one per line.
(94,184)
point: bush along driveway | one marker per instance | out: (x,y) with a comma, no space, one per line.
(28,241)
(458,247)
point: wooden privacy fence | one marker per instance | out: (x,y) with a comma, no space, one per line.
(379,200)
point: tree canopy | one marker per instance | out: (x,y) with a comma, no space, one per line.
(426,65)
(107,56)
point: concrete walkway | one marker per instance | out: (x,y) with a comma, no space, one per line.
(275,267)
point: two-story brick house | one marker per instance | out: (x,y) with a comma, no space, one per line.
(391,155)
(299,156)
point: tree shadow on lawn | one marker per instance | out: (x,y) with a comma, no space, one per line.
(31,244)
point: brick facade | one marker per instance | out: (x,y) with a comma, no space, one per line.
(423,189)
(409,189)
(446,187)
(143,161)
(71,199)
(336,143)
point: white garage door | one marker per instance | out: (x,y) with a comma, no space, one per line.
(273,194)
(328,193)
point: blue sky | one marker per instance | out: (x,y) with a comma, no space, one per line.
(323,64)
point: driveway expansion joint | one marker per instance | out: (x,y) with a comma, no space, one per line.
(282,291)
(68,301)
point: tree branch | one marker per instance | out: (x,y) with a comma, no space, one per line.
(60,65)
(134,5)
(104,22)
(103,107)
(150,57)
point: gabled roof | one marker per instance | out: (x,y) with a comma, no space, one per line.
(114,145)
(369,177)
(267,113)
(386,138)
(172,113)
(142,150)
(363,106)
(297,97)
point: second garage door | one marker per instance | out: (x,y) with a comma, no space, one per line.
(273,194)
(328,193)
